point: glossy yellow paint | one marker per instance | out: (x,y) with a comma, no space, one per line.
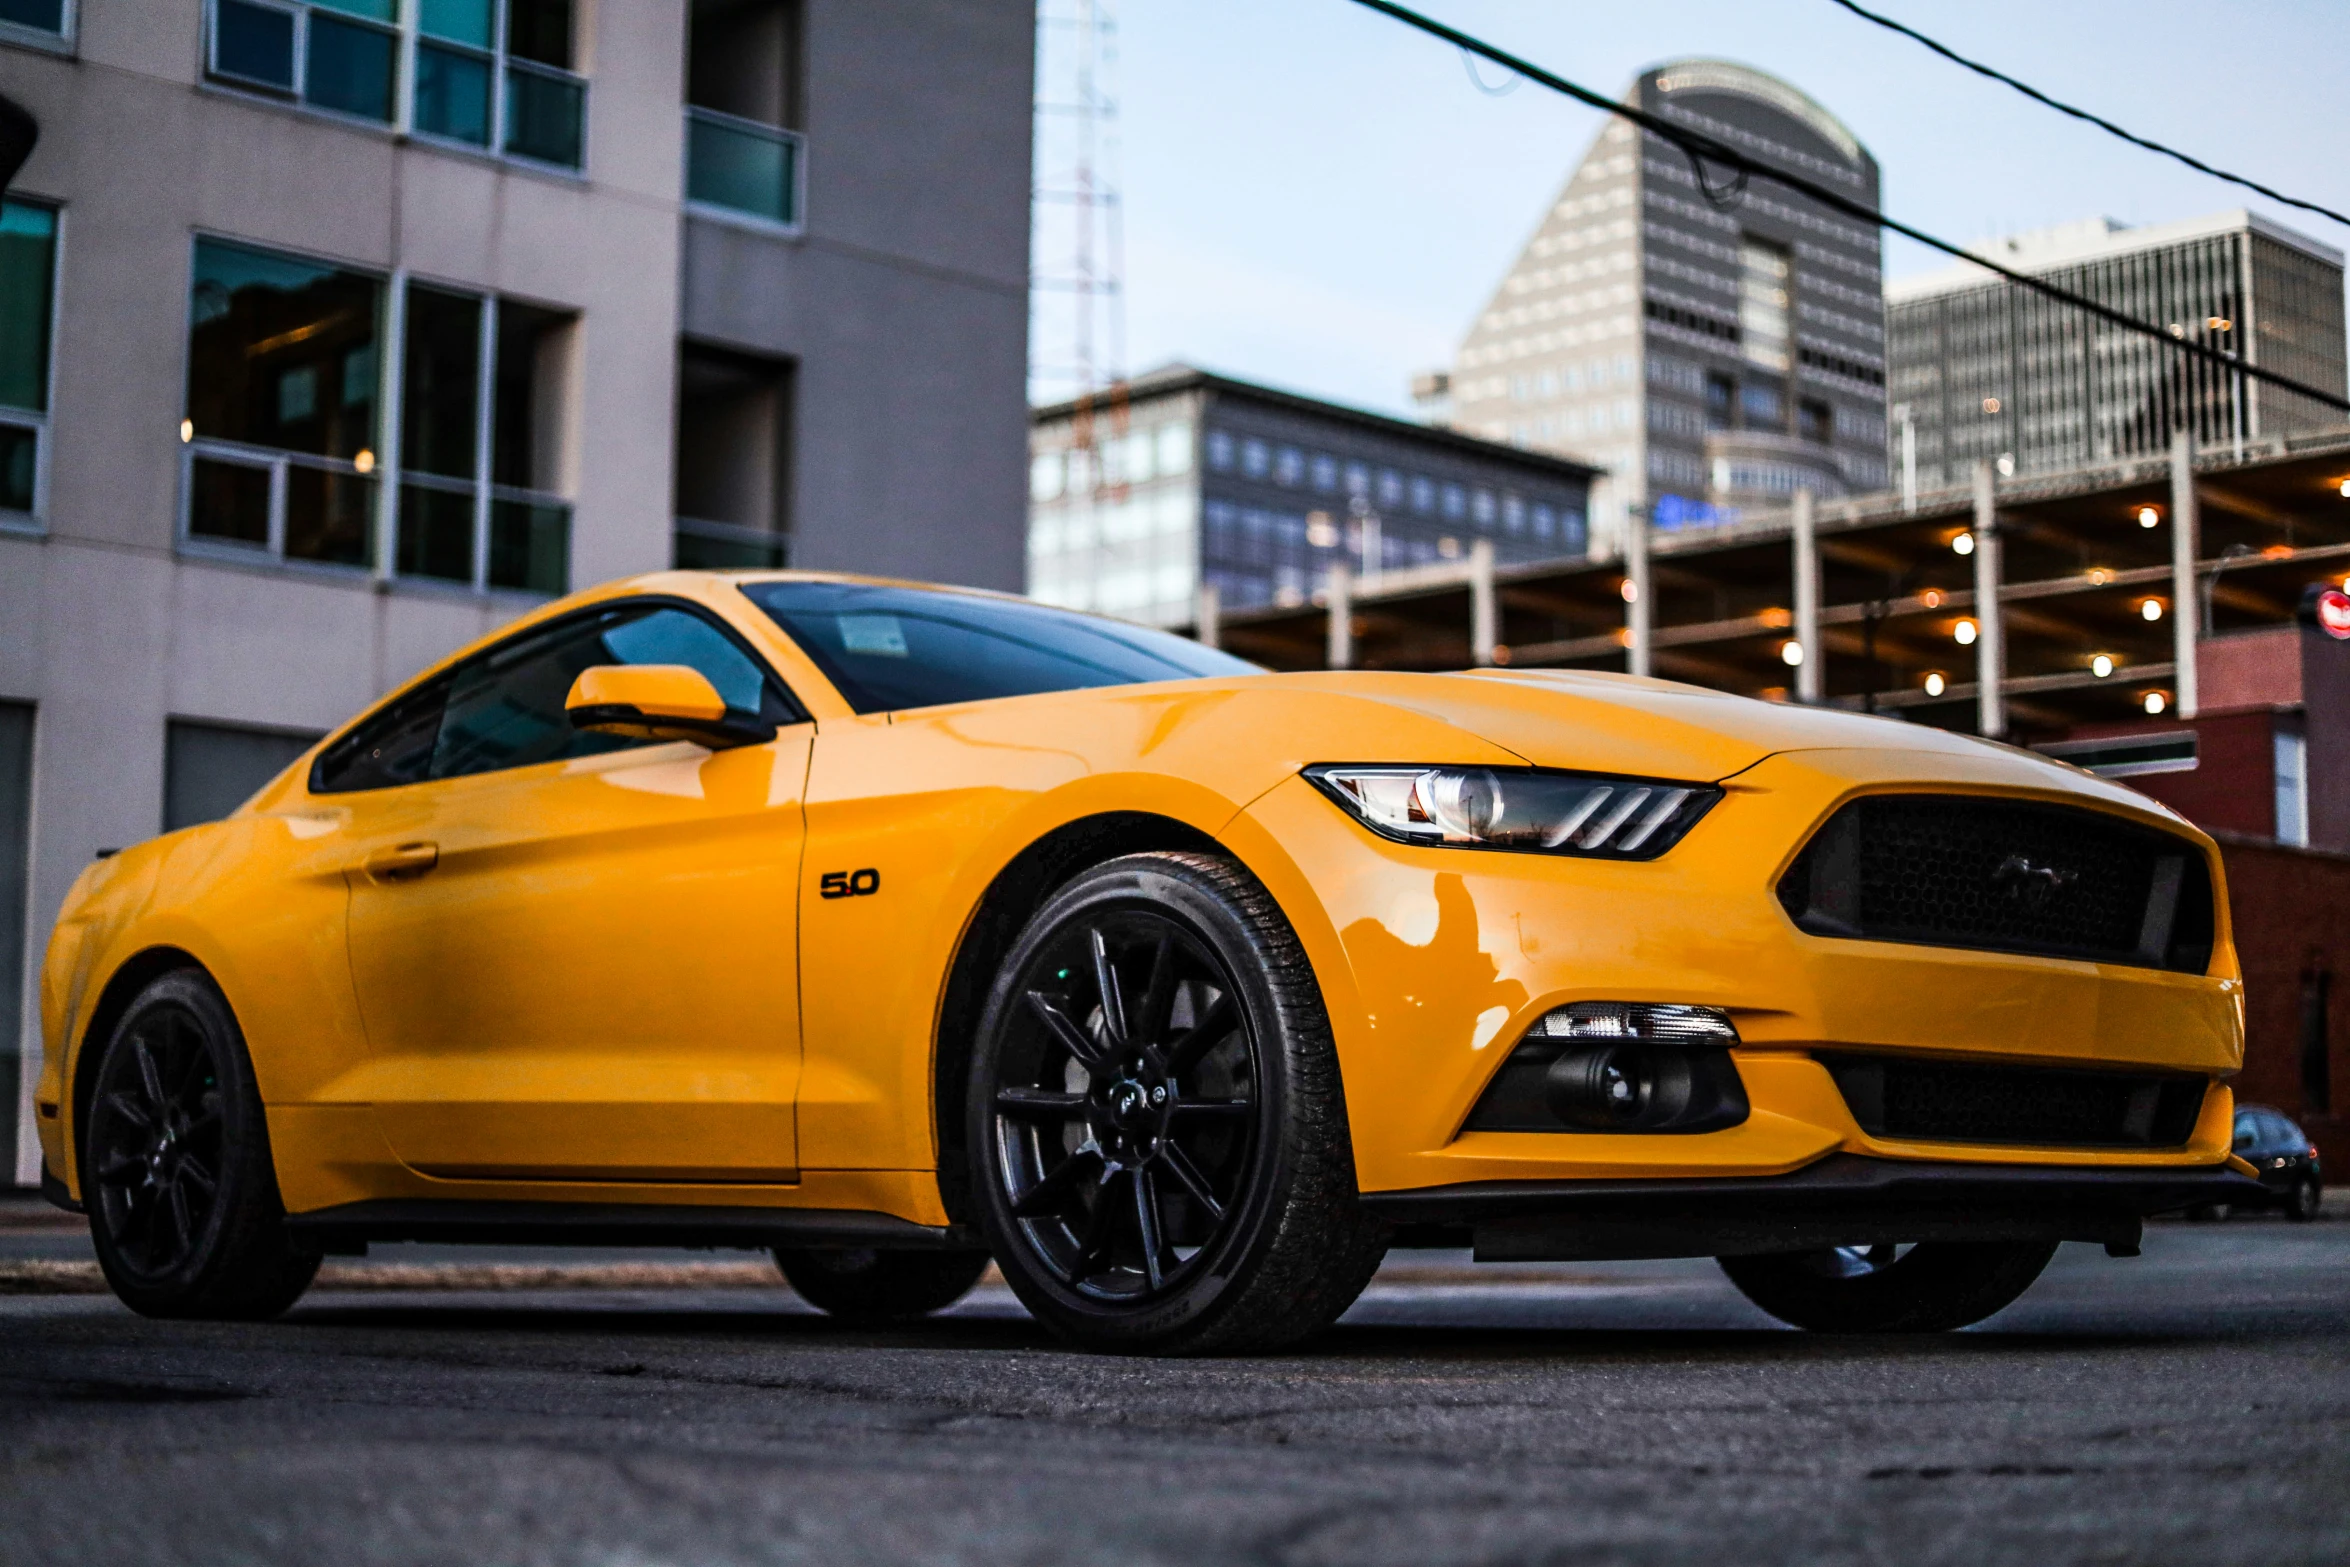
(617,979)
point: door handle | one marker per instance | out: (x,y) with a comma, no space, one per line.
(403,862)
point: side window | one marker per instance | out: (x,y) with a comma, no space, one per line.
(2247,1131)
(394,747)
(505,709)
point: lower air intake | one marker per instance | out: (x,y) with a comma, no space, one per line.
(1965,1102)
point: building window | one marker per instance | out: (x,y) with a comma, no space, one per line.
(42,23)
(1764,276)
(1289,466)
(1721,393)
(488,73)
(1814,420)
(2317,1077)
(1760,407)
(2292,774)
(1219,451)
(744,154)
(1256,458)
(210,769)
(1325,473)
(16,826)
(733,478)
(283,448)
(28,283)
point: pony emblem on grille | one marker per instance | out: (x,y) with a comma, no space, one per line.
(2032,885)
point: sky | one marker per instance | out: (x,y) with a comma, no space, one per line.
(1318,197)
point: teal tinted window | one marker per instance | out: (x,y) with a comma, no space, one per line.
(453,95)
(253,43)
(350,68)
(28,262)
(544,116)
(42,16)
(459,21)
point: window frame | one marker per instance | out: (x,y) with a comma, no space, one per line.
(408,36)
(66,40)
(445,678)
(40,421)
(386,471)
(794,141)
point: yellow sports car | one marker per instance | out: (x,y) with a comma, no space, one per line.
(894,928)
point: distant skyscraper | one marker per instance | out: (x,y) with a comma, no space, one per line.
(1709,348)
(1985,368)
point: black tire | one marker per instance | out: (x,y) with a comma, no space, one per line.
(1158,1133)
(176,1172)
(1928,1288)
(864,1286)
(2307,1197)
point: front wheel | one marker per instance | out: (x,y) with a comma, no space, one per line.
(1158,1136)
(1927,1288)
(176,1172)
(865,1286)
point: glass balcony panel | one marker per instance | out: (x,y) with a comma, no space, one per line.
(436,534)
(20,454)
(720,546)
(742,166)
(530,546)
(228,502)
(545,115)
(253,43)
(459,21)
(350,68)
(330,517)
(453,94)
(42,16)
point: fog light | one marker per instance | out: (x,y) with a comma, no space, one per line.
(1600,1087)
(1618,1066)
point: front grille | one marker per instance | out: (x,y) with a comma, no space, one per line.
(1965,1102)
(2004,876)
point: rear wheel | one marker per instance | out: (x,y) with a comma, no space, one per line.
(859,1285)
(1926,1288)
(2306,1199)
(1158,1134)
(176,1173)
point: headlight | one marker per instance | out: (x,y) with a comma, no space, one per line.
(1587,814)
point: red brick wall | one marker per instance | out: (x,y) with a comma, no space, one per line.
(2291,912)
(2232,786)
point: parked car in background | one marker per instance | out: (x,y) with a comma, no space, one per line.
(2290,1175)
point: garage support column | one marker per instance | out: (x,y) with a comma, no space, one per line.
(1639,604)
(2186,529)
(1340,598)
(1811,676)
(1484,620)
(1990,633)
(1208,624)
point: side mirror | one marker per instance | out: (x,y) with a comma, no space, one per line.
(658,702)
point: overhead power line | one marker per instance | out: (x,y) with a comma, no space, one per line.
(2103,124)
(1701,149)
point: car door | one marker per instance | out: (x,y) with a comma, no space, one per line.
(575,956)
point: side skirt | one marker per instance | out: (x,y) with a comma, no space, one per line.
(348,1230)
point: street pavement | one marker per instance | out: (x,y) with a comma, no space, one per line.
(2190,1405)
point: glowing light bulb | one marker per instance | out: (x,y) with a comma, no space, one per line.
(2101,665)
(1964,631)
(1935,684)
(1630,590)
(2151,609)
(188,433)
(2148,516)
(2156,702)
(1791,654)
(1964,544)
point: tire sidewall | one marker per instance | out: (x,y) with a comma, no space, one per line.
(188,991)
(1170,888)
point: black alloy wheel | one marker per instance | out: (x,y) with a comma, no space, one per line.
(1930,1287)
(1157,1129)
(176,1174)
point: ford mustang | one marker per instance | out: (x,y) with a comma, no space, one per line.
(895,929)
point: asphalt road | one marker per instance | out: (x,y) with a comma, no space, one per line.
(2192,1405)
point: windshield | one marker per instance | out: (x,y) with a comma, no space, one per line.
(888,649)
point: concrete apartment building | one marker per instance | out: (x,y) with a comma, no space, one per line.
(1182,482)
(335,334)
(1712,349)
(1985,370)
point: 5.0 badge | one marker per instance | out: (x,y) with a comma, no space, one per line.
(848,884)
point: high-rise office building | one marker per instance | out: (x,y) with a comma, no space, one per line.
(1140,496)
(1986,369)
(1710,347)
(333,335)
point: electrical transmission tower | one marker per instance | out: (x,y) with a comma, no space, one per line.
(1077,302)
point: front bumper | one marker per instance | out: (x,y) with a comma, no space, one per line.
(1843,1200)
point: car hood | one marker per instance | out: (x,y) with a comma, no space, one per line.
(1655,728)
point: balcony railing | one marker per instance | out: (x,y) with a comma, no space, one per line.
(741,166)
(724,546)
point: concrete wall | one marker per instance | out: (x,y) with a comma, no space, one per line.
(904,305)
(905,301)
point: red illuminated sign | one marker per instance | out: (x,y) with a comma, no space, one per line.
(2333,613)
